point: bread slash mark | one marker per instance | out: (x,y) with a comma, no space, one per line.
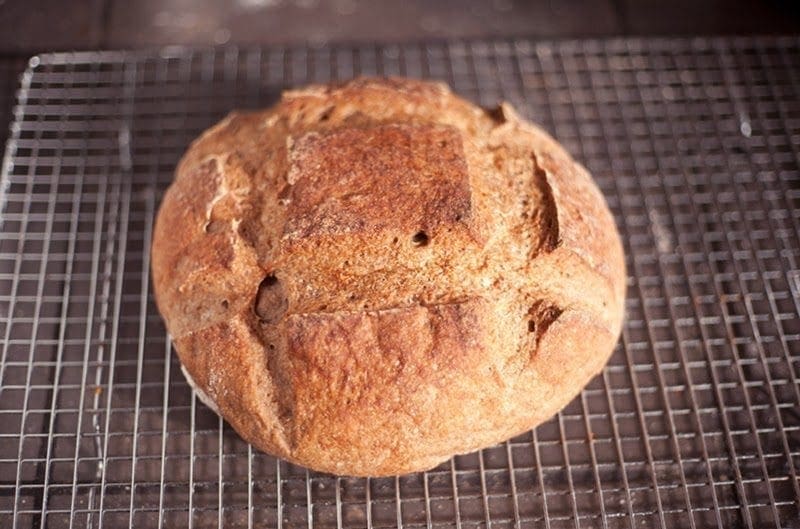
(546,215)
(540,316)
(501,114)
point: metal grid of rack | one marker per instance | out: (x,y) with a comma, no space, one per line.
(694,423)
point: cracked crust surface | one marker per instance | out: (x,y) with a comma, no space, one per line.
(367,279)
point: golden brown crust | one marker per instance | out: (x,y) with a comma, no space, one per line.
(367,279)
(349,179)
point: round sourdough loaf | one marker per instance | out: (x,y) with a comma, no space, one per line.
(366,279)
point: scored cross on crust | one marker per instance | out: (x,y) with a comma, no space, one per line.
(367,279)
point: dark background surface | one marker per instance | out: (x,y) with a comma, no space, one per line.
(47,25)
(28,27)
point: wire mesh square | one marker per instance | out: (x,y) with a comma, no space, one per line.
(694,423)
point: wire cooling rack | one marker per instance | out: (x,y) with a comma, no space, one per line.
(694,423)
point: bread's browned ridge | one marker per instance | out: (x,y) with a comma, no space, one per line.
(369,278)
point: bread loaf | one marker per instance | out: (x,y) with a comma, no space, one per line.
(369,278)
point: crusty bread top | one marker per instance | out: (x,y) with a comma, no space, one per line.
(368,278)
